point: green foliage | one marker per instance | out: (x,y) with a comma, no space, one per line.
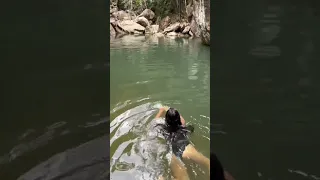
(161,8)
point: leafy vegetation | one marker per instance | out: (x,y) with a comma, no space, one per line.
(161,8)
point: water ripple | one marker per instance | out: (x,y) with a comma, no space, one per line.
(304,174)
(136,150)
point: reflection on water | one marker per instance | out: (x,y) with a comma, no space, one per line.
(54,83)
(87,161)
(266,31)
(143,155)
(147,72)
(70,163)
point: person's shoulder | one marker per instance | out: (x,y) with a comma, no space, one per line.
(159,121)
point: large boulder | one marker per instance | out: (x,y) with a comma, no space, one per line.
(143,21)
(112,32)
(147,13)
(205,34)
(153,29)
(113,7)
(194,28)
(112,20)
(118,30)
(172,28)
(172,34)
(186,30)
(200,23)
(183,25)
(164,23)
(131,27)
(113,10)
(121,15)
(189,11)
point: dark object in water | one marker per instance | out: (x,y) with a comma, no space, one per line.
(216,170)
(190,128)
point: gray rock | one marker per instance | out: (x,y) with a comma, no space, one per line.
(172,34)
(153,29)
(159,35)
(182,35)
(164,23)
(121,15)
(129,26)
(112,20)
(190,33)
(194,28)
(205,34)
(112,31)
(189,11)
(147,13)
(186,30)
(200,23)
(172,27)
(143,21)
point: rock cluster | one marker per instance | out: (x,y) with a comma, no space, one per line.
(126,22)
(196,22)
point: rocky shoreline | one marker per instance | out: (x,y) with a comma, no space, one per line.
(127,22)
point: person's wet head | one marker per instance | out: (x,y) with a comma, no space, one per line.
(172,119)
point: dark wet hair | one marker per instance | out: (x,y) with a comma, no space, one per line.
(173,126)
(173,120)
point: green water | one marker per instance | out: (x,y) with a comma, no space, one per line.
(146,72)
(54,84)
(266,90)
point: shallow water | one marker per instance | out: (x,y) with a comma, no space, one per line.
(145,74)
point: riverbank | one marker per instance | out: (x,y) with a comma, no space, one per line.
(191,24)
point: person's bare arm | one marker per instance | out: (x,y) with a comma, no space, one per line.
(160,113)
(183,122)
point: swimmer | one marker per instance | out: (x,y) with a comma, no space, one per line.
(175,131)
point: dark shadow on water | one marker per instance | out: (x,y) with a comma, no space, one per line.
(55,80)
(85,162)
(265,85)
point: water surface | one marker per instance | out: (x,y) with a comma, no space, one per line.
(266,91)
(55,74)
(145,74)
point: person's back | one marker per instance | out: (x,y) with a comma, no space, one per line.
(176,135)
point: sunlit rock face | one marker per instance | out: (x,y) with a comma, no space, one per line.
(200,21)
